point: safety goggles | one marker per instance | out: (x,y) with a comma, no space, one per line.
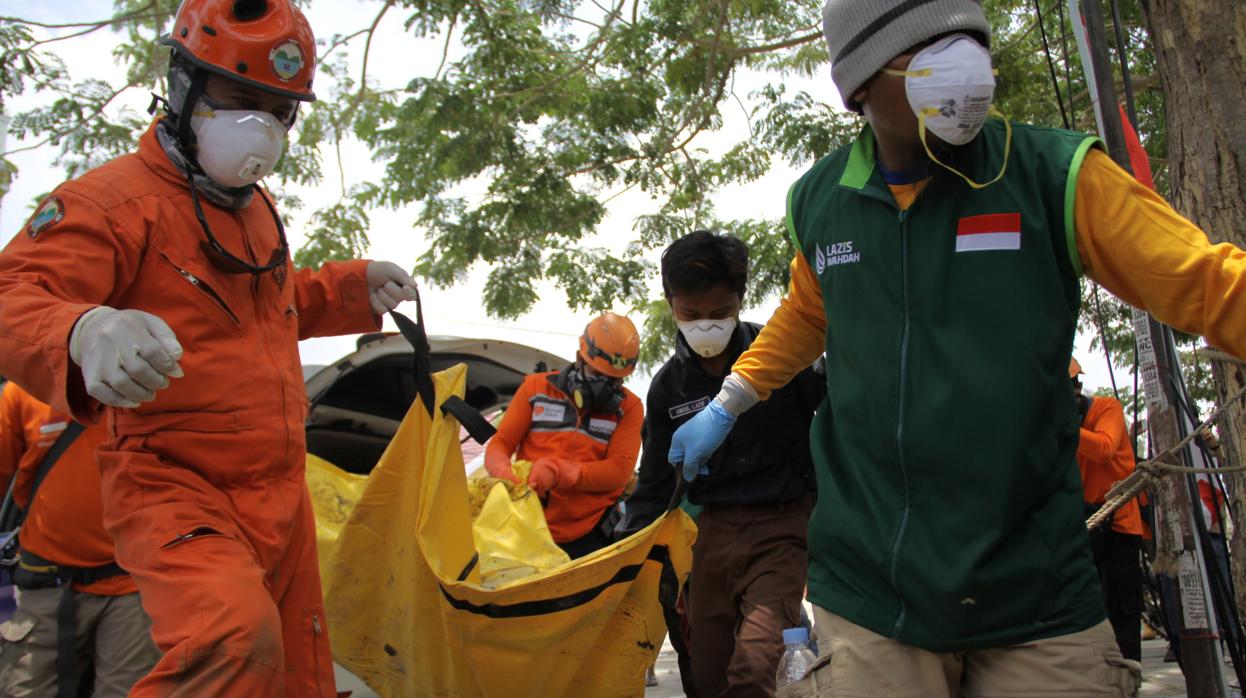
(224,260)
(617,361)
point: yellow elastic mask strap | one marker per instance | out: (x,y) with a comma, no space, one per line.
(921,129)
(923,73)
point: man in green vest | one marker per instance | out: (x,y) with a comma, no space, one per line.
(938,267)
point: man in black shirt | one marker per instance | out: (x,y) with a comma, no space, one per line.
(749,560)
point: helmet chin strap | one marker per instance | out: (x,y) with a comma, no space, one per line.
(185,136)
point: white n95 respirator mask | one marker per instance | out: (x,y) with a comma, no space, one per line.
(708,338)
(950,86)
(237,147)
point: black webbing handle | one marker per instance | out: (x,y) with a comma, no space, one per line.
(422,365)
(472,420)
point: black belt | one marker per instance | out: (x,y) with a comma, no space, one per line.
(34,572)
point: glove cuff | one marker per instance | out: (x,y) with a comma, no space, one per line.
(77,336)
(737,395)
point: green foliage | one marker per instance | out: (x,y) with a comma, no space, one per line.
(657,337)
(540,112)
(76,120)
(551,107)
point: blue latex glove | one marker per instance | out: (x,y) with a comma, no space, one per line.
(695,441)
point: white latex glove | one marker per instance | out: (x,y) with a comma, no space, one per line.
(388,285)
(125,355)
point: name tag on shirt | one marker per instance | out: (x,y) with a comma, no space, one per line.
(688,408)
(601,427)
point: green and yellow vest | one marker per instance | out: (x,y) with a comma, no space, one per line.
(949,510)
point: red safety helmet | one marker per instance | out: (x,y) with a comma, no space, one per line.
(267,44)
(611,345)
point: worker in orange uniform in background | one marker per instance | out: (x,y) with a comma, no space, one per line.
(1105,455)
(158,288)
(580,429)
(63,534)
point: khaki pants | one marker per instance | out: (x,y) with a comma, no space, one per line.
(863,664)
(114,635)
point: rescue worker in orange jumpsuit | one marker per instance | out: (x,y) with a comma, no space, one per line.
(63,529)
(580,429)
(156,291)
(1105,455)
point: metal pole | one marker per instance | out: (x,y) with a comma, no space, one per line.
(1083,49)
(1201,661)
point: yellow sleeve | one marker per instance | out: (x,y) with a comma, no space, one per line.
(793,339)
(1142,251)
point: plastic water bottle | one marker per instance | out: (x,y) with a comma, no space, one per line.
(797,657)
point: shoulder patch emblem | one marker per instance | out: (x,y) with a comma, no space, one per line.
(49,213)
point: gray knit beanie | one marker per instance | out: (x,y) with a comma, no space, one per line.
(864,35)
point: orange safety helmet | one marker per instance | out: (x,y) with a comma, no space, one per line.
(266,44)
(611,345)
(1075,368)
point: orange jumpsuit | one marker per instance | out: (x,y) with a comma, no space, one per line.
(203,488)
(542,422)
(1105,455)
(66,524)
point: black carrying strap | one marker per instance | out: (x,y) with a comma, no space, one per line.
(422,371)
(67,676)
(10,515)
(54,454)
(67,642)
(422,365)
(66,610)
(681,488)
(472,420)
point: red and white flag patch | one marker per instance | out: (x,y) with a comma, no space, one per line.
(995,231)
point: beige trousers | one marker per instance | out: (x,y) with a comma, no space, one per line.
(114,634)
(857,663)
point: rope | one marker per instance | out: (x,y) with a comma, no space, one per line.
(1148,472)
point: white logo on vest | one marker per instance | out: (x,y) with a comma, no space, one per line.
(833,255)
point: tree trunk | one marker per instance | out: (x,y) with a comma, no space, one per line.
(1230,379)
(1200,51)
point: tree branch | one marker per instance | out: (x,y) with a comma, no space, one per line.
(590,59)
(76,125)
(777,46)
(1018,38)
(445,49)
(136,14)
(367,46)
(341,41)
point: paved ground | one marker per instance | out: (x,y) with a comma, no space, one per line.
(1161,678)
(1158,678)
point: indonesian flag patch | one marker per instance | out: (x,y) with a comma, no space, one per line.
(995,231)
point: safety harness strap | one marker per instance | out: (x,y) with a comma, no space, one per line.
(35,572)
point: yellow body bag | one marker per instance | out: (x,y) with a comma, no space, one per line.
(410,614)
